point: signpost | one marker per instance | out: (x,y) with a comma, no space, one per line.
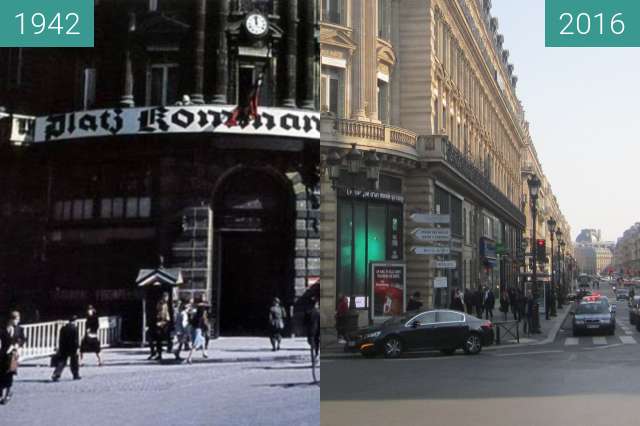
(432,234)
(446,264)
(430,250)
(440,282)
(428,218)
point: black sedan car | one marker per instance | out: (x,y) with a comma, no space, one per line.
(442,330)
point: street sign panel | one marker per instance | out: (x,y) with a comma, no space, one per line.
(430,218)
(440,282)
(432,234)
(429,250)
(446,264)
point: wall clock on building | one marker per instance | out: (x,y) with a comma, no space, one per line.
(256,24)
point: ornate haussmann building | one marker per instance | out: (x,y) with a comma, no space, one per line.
(108,166)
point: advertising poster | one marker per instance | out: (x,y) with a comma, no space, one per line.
(388,289)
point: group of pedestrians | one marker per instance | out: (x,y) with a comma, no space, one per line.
(479,301)
(188,330)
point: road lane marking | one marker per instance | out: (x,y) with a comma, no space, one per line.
(628,340)
(530,353)
(599,340)
(569,341)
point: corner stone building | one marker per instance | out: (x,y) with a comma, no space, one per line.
(104,173)
(428,85)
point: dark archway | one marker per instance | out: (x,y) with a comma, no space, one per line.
(254,214)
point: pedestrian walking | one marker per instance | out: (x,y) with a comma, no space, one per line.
(468,301)
(504,303)
(276,323)
(456,301)
(477,302)
(312,325)
(197,336)
(529,308)
(68,349)
(489,302)
(12,338)
(181,330)
(514,298)
(341,312)
(206,323)
(90,342)
(414,303)
(162,326)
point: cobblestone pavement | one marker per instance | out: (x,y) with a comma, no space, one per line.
(128,390)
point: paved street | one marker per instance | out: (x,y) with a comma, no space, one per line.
(589,380)
(242,383)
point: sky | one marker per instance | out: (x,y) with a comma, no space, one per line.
(582,106)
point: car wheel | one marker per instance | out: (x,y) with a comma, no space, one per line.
(392,347)
(448,351)
(472,344)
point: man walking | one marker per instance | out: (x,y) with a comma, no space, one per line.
(468,301)
(414,302)
(163,323)
(477,302)
(68,348)
(489,302)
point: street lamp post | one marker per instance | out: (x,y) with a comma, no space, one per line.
(559,239)
(562,280)
(551,223)
(534,186)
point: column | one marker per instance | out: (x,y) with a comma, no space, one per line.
(359,61)
(221,54)
(126,100)
(198,59)
(291,55)
(309,40)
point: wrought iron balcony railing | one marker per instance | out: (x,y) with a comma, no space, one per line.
(439,148)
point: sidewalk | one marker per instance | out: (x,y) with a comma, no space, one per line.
(221,350)
(330,347)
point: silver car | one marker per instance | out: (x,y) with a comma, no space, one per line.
(595,316)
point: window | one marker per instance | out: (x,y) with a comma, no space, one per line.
(426,318)
(162,85)
(332,91)
(384,27)
(367,231)
(450,317)
(383,101)
(333,11)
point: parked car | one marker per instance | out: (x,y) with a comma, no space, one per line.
(440,329)
(634,310)
(594,315)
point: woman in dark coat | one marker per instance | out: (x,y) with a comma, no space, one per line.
(11,340)
(277,315)
(90,341)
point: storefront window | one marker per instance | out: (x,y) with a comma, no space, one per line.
(368,231)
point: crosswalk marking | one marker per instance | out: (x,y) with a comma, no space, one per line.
(571,341)
(628,340)
(599,340)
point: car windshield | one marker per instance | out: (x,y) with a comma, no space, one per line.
(592,308)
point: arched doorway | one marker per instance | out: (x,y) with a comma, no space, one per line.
(255,231)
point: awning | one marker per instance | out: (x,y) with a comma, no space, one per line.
(159,276)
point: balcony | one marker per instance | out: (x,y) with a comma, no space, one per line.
(437,149)
(382,137)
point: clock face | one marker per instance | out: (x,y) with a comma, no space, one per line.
(256,24)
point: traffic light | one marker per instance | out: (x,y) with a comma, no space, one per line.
(541,250)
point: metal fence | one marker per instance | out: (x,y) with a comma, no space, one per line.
(42,338)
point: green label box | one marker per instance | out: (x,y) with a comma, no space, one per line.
(46,23)
(592,23)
